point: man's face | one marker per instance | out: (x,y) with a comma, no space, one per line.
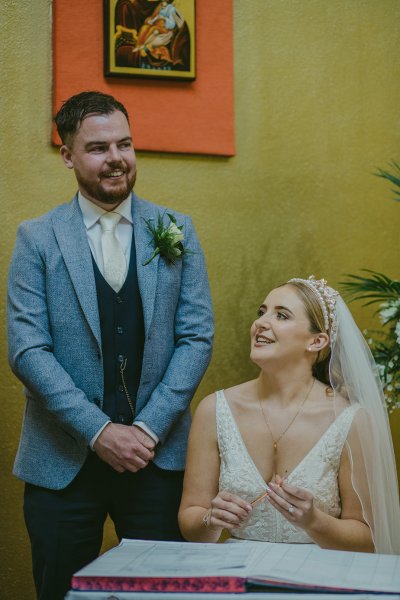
(102,156)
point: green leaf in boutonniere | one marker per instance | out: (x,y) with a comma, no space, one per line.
(167,239)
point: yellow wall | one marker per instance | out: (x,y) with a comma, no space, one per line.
(317,109)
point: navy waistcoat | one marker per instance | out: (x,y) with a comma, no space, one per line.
(122,340)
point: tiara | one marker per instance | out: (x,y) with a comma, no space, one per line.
(327,299)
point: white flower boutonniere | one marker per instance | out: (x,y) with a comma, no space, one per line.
(167,239)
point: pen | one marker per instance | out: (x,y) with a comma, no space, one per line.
(263,495)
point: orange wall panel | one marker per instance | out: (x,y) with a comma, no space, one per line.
(166,116)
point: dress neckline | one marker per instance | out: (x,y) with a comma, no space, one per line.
(299,464)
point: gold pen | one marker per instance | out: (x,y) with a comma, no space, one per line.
(263,495)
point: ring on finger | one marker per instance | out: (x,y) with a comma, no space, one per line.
(207,518)
(290,509)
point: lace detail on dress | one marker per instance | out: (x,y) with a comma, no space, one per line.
(317,472)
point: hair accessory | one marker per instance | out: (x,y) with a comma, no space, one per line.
(327,297)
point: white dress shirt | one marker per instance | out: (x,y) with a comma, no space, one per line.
(123,231)
(91,214)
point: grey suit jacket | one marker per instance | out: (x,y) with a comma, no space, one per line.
(55,346)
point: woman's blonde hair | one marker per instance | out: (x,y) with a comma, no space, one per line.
(317,325)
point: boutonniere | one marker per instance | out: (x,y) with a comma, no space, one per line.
(167,239)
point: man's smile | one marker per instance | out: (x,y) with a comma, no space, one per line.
(113,174)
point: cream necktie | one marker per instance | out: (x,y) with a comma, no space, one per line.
(113,257)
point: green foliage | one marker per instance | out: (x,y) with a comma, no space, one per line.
(377,288)
(385,342)
(394,178)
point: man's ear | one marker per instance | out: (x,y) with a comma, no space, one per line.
(319,341)
(66,155)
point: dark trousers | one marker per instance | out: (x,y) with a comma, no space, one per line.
(66,526)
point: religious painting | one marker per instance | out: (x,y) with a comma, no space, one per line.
(150,38)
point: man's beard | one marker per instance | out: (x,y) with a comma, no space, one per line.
(110,197)
(118,195)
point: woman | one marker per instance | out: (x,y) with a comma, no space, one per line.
(303,453)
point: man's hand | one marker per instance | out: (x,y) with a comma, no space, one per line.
(124,448)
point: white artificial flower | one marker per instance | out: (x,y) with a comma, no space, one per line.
(381,370)
(397,332)
(388,310)
(176,233)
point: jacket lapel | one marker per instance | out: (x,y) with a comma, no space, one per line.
(71,236)
(147,276)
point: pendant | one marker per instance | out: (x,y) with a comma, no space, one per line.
(274,458)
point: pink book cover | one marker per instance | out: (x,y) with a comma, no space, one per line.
(159,584)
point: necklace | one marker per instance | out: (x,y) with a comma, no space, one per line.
(275,441)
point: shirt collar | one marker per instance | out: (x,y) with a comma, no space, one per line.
(91,212)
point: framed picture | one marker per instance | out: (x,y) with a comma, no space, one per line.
(150,38)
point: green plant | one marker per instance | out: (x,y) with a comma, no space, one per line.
(394,178)
(377,288)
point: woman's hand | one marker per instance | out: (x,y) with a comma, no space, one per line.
(294,503)
(227,511)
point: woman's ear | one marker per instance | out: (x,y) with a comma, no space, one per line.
(319,341)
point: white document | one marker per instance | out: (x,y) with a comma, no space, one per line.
(142,558)
(309,564)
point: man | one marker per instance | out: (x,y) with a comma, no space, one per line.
(110,348)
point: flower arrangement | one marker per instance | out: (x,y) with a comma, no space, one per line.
(377,288)
(167,239)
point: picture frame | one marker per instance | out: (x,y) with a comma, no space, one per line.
(152,39)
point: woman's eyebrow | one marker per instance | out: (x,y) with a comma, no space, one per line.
(284,308)
(278,308)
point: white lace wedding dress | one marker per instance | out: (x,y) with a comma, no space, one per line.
(317,472)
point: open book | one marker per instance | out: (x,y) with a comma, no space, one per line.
(137,565)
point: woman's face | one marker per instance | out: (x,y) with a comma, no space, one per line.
(282,329)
